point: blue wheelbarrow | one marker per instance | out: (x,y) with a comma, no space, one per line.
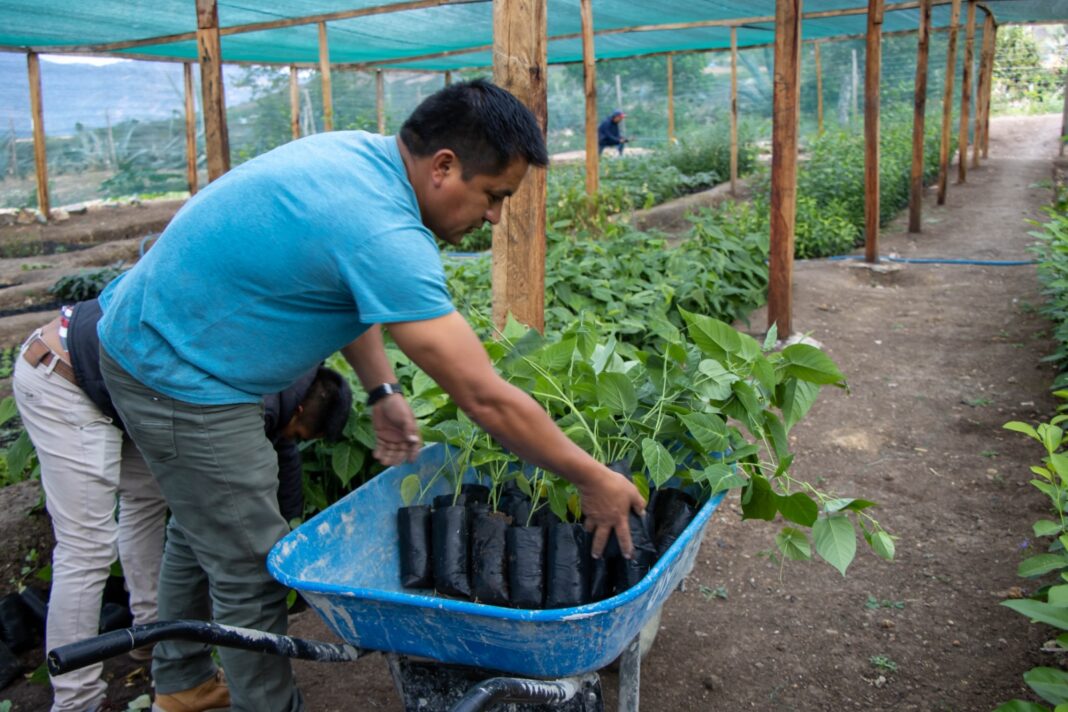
(344,562)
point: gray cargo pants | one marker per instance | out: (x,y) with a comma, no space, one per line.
(219,475)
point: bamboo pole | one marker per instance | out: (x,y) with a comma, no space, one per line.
(324,69)
(966,94)
(734,110)
(380,100)
(990,91)
(784,163)
(919,116)
(819,88)
(981,86)
(190,129)
(40,156)
(589,74)
(947,103)
(670,100)
(213,101)
(873,57)
(448,78)
(520,65)
(294,102)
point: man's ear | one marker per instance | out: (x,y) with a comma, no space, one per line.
(442,164)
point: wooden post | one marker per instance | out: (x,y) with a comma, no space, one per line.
(520,65)
(980,93)
(589,74)
(947,102)
(873,57)
(784,163)
(112,158)
(190,130)
(213,101)
(448,77)
(13,169)
(990,92)
(919,115)
(734,109)
(819,89)
(966,93)
(670,100)
(324,70)
(40,156)
(380,100)
(294,102)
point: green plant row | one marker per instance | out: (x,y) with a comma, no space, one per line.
(1051,251)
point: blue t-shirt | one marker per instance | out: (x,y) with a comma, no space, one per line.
(273,267)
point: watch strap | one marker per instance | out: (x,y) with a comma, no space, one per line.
(380,392)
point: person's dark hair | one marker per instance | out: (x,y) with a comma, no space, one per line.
(327,404)
(483,124)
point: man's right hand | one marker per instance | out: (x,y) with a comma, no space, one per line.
(606,504)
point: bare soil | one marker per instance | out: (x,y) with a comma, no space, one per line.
(938,357)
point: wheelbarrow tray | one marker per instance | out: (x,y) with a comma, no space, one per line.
(344,561)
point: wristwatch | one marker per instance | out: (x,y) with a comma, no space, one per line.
(386,389)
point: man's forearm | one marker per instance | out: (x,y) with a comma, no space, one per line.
(367,356)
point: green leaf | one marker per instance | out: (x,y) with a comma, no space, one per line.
(1046,527)
(849,504)
(1051,684)
(883,545)
(410,488)
(1058,595)
(7,409)
(18,456)
(616,392)
(719,477)
(836,540)
(346,460)
(556,357)
(808,363)
(709,430)
(798,397)
(799,508)
(715,338)
(1019,427)
(1041,564)
(658,461)
(1021,706)
(1040,611)
(718,384)
(759,501)
(771,337)
(793,544)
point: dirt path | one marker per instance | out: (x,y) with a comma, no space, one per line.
(938,357)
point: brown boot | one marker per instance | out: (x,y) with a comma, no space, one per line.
(211,694)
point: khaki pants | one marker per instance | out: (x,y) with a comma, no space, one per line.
(219,474)
(85,463)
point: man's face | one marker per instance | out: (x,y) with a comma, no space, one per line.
(300,427)
(456,205)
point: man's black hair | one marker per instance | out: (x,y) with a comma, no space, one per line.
(327,404)
(483,124)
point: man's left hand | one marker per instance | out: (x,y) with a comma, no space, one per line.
(397,436)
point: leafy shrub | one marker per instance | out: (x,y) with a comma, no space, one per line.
(85,284)
(1051,251)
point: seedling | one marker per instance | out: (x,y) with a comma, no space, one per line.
(883,662)
(978,402)
(873,603)
(990,453)
(713,593)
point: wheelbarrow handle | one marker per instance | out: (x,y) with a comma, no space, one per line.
(93,650)
(514,689)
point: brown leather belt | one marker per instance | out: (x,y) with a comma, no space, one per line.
(38,353)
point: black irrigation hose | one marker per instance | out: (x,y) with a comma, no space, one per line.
(86,652)
(514,689)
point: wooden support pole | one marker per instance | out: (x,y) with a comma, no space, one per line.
(448,78)
(966,93)
(294,102)
(981,89)
(190,129)
(324,71)
(589,74)
(947,102)
(819,88)
(990,92)
(734,108)
(873,58)
(380,100)
(670,100)
(785,114)
(213,100)
(520,65)
(1064,116)
(919,116)
(40,155)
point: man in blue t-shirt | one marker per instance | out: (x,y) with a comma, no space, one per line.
(297,253)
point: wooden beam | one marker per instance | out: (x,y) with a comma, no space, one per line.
(981,86)
(213,99)
(873,59)
(819,88)
(990,91)
(324,72)
(947,103)
(785,114)
(448,78)
(966,94)
(380,100)
(919,116)
(589,75)
(670,100)
(520,65)
(190,129)
(294,102)
(40,155)
(734,110)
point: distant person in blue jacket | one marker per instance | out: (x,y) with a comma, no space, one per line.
(608,132)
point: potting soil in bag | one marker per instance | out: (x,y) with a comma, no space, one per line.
(413,530)
(627,572)
(16,624)
(9,666)
(489,580)
(526,566)
(515,504)
(475,493)
(36,602)
(673,512)
(449,547)
(567,572)
(600,575)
